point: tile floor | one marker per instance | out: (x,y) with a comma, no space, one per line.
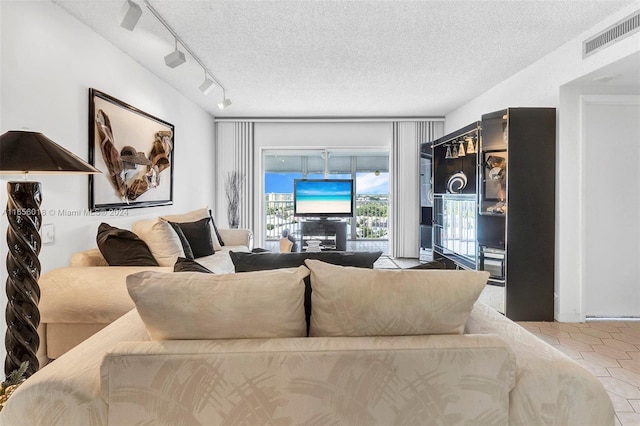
(610,350)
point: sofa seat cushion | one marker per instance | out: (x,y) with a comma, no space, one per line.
(195,306)
(359,302)
(87,295)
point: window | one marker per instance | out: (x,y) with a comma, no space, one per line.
(370,170)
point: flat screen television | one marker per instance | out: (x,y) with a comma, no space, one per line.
(323,197)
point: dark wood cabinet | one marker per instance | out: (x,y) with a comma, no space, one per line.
(510,182)
(524,227)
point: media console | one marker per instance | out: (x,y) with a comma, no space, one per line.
(331,233)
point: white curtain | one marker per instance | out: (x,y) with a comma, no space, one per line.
(234,153)
(404,232)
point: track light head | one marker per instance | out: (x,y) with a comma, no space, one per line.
(129,15)
(207,85)
(225,103)
(175,58)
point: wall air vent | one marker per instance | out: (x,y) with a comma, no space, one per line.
(615,33)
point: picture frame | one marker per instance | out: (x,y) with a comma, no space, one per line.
(134,151)
(494,175)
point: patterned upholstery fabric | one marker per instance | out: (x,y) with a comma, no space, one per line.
(551,388)
(360,380)
(440,379)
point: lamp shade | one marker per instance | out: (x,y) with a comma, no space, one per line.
(32,152)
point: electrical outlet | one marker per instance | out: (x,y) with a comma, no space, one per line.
(48,233)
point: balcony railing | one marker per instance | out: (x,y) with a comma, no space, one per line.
(371,220)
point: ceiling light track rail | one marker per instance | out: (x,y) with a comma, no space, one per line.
(182,43)
(129,16)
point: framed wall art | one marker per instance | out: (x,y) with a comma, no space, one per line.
(134,150)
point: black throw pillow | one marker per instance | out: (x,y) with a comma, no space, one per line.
(190,265)
(120,247)
(434,264)
(215,229)
(247,262)
(198,234)
(188,253)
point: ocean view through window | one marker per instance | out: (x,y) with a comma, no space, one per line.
(371,177)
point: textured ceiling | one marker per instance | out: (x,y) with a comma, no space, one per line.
(345,58)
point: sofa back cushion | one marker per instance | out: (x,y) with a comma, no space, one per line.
(194,216)
(359,302)
(162,240)
(121,247)
(198,236)
(246,262)
(195,306)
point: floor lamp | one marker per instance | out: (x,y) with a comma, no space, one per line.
(23,152)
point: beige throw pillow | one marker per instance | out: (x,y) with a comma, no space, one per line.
(161,239)
(196,306)
(347,301)
(194,216)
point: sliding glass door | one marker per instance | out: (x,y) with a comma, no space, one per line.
(369,169)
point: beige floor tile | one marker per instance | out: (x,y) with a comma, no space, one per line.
(601,359)
(620,388)
(611,351)
(631,331)
(571,353)
(597,333)
(568,327)
(617,422)
(618,344)
(633,324)
(574,344)
(585,338)
(550,340)
(629,419)
(621,405)
(595,369)
(626,375)
(633,364)
(608,326)
(625,337)
(554,332)
(635,403)
(533,328)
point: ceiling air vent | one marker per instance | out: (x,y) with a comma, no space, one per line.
(614,33)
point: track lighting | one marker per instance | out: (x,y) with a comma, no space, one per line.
(207,85)
(175,58)
(129,15)
(225,101)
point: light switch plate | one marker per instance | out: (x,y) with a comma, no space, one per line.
(48,233)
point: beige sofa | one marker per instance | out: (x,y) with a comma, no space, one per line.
(365,365)
(80,300)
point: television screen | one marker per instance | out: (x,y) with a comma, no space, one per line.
(323,197)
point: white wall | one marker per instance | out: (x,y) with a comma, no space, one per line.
(547,83)
(611,205)
(49,61)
